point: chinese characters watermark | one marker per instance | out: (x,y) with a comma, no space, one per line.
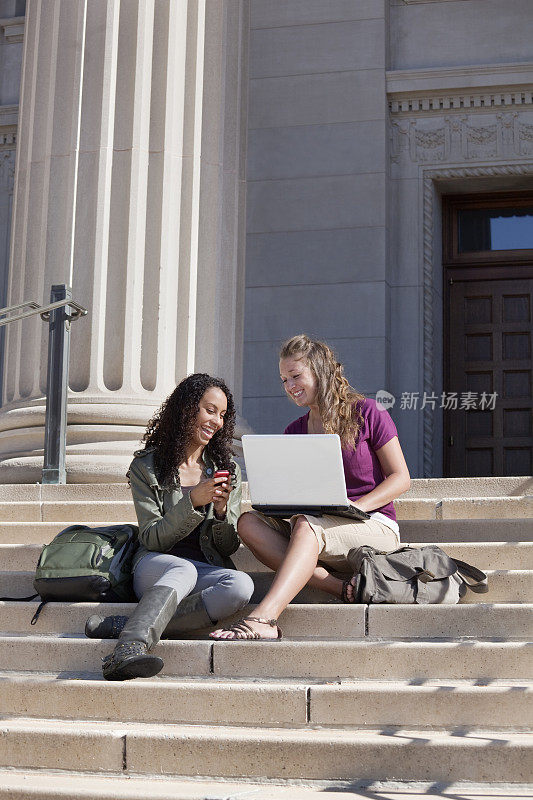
(449,401)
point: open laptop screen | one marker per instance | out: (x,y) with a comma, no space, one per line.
(287,470)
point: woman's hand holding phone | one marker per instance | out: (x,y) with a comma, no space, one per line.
(214,490)
(222,492)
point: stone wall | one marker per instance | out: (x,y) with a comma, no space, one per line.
(344,230)
(316,214)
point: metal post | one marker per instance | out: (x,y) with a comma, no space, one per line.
(55,430)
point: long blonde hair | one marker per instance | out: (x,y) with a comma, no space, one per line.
(338,403)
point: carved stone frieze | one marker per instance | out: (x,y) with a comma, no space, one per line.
(8,139)
(469,137)
(7,171)
(420,104)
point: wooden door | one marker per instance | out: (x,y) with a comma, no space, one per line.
(488,366)
(490,369)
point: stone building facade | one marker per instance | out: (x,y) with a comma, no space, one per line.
(212,176)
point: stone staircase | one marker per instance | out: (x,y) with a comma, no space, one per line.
(428,696)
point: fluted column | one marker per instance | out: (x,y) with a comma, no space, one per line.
(129,185)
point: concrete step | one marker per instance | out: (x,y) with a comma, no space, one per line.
(469,487)
(466,530)
(69,511)
(423,531)
(319,754)
(518,507)
(334,621)
(439,488)
(31,532)
(512,620)
(505,586)
(486,555)
(513,507)
(313,621)
(95,492)
(45,785)
(465,508)
(499,705)
(420,488)
(493,659)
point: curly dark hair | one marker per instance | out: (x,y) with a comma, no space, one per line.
(169,429)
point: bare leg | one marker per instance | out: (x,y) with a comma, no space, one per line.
(294,572)
(270,547)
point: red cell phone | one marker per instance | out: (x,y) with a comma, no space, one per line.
(221,473)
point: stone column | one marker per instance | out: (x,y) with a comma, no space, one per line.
(129,186)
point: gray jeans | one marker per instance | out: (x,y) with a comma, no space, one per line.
(224,591)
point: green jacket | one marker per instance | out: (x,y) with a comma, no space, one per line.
(166,516)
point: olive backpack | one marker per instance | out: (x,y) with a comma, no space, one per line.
(84,564)
(412,575)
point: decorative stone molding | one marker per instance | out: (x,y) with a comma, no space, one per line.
(8,116)
(462,138)
(458,88)
(430,176)
(413,2)
(8,127)
(7,171)
(8,140)
(460,102)
(13,29)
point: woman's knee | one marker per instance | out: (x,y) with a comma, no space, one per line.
(231,594)
(247,527)
(301,527)
(239,587)
(246,587)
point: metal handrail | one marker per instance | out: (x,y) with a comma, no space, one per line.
(55,425)
(43,311)
(30,303)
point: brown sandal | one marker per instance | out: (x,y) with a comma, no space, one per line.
(242,630)
(344,595)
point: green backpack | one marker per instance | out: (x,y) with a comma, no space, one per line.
(88,564)
(83,564)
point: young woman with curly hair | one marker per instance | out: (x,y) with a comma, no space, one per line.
(187,514)
(308,549)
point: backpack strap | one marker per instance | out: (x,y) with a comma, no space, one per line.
(20,599)
(38,612)
(474,578)
(26,599)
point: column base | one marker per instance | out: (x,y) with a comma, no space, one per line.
(101,441)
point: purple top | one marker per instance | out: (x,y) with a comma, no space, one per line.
(362,469)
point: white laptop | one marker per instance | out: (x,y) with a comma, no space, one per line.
(297,475)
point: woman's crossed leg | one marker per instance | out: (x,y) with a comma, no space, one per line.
(295,562)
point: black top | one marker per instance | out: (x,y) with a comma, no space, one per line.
(189,546)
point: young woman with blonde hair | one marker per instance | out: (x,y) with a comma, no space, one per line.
(308,549)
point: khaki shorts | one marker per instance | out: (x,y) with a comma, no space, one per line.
(337,536)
